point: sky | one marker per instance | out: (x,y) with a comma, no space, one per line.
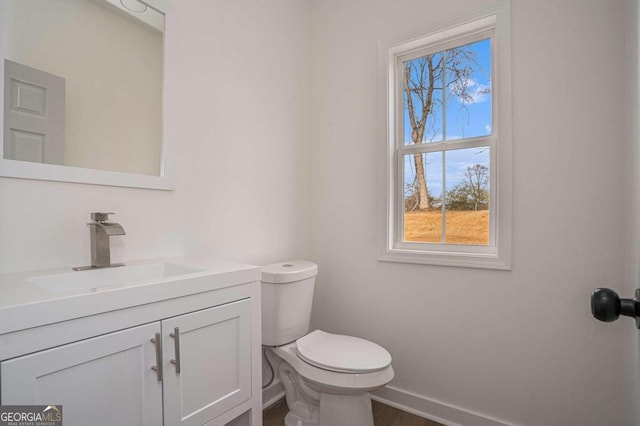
(464,118)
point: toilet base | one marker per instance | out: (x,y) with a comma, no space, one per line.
(310,406)
(293,420)
(334,409)
(352,410)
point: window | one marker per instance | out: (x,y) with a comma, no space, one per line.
(447,144)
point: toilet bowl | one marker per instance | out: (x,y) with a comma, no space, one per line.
(327,377)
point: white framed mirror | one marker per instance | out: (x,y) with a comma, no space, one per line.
(82,89)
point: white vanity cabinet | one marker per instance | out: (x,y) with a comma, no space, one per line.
(105,380)
(207,363)
(188,360)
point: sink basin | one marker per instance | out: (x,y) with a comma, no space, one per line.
(110,278)
(35,298)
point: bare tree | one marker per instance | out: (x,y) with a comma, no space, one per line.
(472,191)
(411,197)
(423,77)
(477,179)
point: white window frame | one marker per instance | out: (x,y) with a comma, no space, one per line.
(491,21)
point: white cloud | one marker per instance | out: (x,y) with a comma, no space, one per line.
(479,92)
(474,92)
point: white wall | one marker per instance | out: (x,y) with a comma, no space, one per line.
(112,66)
(238,114)
(520,346)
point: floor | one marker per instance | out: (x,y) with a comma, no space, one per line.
(383,415)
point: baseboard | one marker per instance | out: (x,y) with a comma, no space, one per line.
(272,394)
(431,409)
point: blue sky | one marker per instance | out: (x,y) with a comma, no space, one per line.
(469,118)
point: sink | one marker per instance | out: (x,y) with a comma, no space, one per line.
(34,298)
(110,278)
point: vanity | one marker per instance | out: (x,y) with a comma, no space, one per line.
(165,342)
(151,343)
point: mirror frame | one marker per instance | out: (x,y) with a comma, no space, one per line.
(59,173)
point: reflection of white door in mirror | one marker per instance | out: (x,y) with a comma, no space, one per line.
(33,115)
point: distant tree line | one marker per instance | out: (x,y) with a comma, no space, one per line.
(472,193)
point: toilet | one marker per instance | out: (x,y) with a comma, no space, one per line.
(327,377)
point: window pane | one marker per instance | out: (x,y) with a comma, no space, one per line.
(422,79)
(468,103)
(423,217)
(467,196)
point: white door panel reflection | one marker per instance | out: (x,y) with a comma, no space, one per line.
(33,115)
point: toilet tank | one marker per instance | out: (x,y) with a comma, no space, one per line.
(287,295)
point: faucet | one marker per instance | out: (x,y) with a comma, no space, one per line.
(100,230)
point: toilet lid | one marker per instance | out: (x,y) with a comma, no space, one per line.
(340,353)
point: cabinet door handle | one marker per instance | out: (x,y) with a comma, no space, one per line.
(176,342)
(157,340)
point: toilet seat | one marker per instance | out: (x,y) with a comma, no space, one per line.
(333,381)
(342,354)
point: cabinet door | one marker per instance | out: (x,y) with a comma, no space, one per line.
(105,380)
(214,353)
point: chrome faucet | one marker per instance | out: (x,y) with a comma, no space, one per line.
(100,230)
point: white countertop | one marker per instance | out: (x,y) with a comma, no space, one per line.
(24,303)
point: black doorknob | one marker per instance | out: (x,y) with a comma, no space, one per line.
(607,306)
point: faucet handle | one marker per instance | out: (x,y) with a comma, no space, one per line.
(100,217)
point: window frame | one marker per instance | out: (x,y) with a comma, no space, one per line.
(491,21)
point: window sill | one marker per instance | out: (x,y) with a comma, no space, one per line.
(442,258)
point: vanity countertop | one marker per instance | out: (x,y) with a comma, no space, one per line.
(32,299)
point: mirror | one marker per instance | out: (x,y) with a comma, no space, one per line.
(83,86)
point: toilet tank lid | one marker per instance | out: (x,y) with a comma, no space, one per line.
(289,271)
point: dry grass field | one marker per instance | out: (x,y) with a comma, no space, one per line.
(462,227)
